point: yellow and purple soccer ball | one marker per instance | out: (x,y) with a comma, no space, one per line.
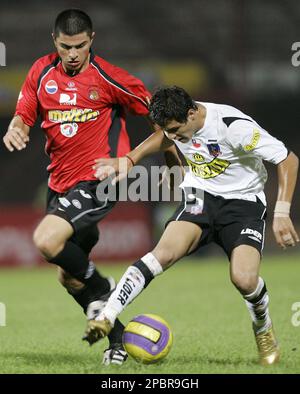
(147,338)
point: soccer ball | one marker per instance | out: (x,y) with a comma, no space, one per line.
(147,338)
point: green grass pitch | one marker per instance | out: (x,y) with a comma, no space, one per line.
(210,323)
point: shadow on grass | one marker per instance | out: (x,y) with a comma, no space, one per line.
(51,359)
(220,361)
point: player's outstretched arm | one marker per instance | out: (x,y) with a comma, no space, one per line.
(118,168)
(172,159)
(283,227)
(17,134)
(171,156)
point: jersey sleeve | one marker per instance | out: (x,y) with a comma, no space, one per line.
(27,104)
(248,136)
(129,91)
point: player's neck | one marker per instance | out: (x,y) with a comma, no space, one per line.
(201,115)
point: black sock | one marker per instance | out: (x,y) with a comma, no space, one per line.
(73,260)
(115,336)
(83,297)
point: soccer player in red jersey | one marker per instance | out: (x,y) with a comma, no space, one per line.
(81,99)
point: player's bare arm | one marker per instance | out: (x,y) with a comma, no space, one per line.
(17,135)
(171,155)
(283,227)
(172,159)
(118,168)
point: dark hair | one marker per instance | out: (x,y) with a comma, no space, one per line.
(170,103)
(71,22)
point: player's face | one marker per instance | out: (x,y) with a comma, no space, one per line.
(74,51)
(183,132)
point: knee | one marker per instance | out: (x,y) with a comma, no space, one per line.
(47,244)
(165,257)
(246,283)
(71,284)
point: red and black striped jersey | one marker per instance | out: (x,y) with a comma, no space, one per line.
(83,116)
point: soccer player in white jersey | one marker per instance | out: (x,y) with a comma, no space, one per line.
(223,201)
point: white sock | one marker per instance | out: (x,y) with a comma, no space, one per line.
(153,264)
(132,283)
(258,306)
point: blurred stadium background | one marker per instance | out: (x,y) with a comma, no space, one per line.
(228,51)
(234,52)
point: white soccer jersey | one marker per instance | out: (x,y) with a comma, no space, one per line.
(225,157)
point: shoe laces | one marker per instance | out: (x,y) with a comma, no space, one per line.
(115,355)
(266,341)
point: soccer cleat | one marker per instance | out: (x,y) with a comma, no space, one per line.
(96,330)
(112,283)
(94,308)
(267,346)
(114,355)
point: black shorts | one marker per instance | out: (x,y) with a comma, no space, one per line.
(229,223)
(82,209)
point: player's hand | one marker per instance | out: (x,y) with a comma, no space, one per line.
(15,138)
(117,169)
(285,232)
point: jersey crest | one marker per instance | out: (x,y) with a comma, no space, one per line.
(214,150)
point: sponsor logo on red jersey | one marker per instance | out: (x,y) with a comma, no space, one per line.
(69,129)
(73,115)
(71,86)
(67,99)
(51,87)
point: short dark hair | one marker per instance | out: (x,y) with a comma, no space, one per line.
(170,103)
(71,22)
